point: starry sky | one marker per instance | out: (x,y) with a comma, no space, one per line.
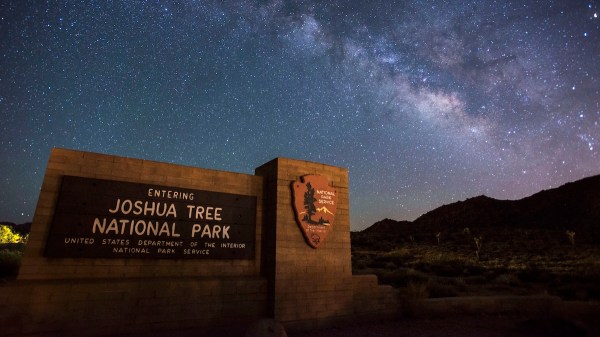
(425,102)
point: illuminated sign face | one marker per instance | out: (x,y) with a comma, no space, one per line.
(97,218)
(315,205)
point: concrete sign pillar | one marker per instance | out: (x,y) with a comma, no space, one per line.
(306,285)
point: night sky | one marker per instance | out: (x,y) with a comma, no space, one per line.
(425,102)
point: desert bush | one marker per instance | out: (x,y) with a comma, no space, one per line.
(445,264)
(8,235)
(10,261)
(459,283)
(441,289)
(574,291)
(533,273)
(401,277)
(574,287)
(414,294)
(394,278)
(473,270)
(507,279)
(378,261)
(594,291)
(359,264)
(390,266)
(476,280)
(397,256)
(416,290)
(511,263)
(448,270)
(415,276)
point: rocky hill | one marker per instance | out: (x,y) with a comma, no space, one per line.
(574,206)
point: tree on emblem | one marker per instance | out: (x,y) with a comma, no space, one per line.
(309,203)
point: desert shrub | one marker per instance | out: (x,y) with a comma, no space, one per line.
(390,265)
(401,277)
(533,273)
(400,255)
(474,270)
(436,288)
(414,294)
(10,261)
(507,279)
(445,287)
(415,276)
(478,279)
(581,291)
(456,237)
(447,270)
(574,291)
(459,283)
(416,290)
(491,274)
(445,264)
(392,259)
(359,265)
(408,276)
(594,291)
(8,235)
(378,262)
(394,278)
(360,261)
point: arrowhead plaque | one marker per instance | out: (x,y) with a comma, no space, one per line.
(315,205)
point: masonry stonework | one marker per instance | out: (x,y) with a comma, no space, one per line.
(308,286)
(287,280)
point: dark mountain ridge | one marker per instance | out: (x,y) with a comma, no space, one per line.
(573,206)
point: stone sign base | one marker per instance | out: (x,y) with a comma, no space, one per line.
(100,307)
(286,279)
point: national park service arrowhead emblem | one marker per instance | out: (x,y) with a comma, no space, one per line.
(315,204)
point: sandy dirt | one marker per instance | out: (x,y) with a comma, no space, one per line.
(490,325)
(467,326)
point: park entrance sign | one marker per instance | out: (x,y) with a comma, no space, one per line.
(113,219)
(126,246)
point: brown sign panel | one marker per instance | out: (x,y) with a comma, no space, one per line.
(97,218)
(315,205)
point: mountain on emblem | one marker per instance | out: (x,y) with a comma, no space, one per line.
(324,210)
(315,204)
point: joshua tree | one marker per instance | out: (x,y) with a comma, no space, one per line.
(571,236)
(478,243)
(309,203)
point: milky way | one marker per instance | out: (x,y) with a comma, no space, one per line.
(425,102)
